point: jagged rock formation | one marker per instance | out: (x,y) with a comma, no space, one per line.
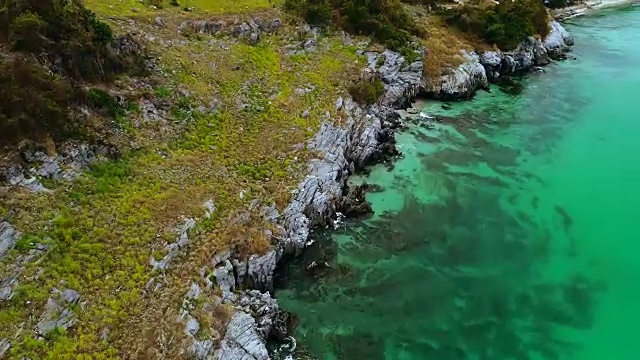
(478,70)
(462,81)
(173,249)
(250,30)
(242,340)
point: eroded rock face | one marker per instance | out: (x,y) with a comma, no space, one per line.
(558,40)
(257,317)
(403,80)
(260,269)
(348,147)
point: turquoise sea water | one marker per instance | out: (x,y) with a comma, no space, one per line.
(509,230)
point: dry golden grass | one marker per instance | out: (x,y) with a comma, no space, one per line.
(444,43)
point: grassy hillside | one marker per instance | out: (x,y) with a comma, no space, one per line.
(102,230)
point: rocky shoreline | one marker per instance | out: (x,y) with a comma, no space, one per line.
(367,137)
(479,70)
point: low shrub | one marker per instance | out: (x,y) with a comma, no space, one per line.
(505,24)
(102,100)
(367,91)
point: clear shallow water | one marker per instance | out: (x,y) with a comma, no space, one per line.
(507,231)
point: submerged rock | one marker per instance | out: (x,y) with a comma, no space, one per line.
(354,203)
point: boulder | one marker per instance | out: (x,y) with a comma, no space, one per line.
(242,341)
(461,82)
(558,40)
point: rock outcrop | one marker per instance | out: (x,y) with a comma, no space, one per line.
(242,340)
(5,345)
(57,312)
(461,82)
(249,31)
(66,165)
(173,249)
(480,69)
(8,237)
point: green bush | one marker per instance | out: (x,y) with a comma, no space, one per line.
(36,101)
(32,102)
(68,34)
(367,91)
(26,32)
(384,20)
(506,24)
(101,99)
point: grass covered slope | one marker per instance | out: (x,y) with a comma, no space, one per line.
(241,114)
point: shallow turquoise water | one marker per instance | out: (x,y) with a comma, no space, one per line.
(509,230)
